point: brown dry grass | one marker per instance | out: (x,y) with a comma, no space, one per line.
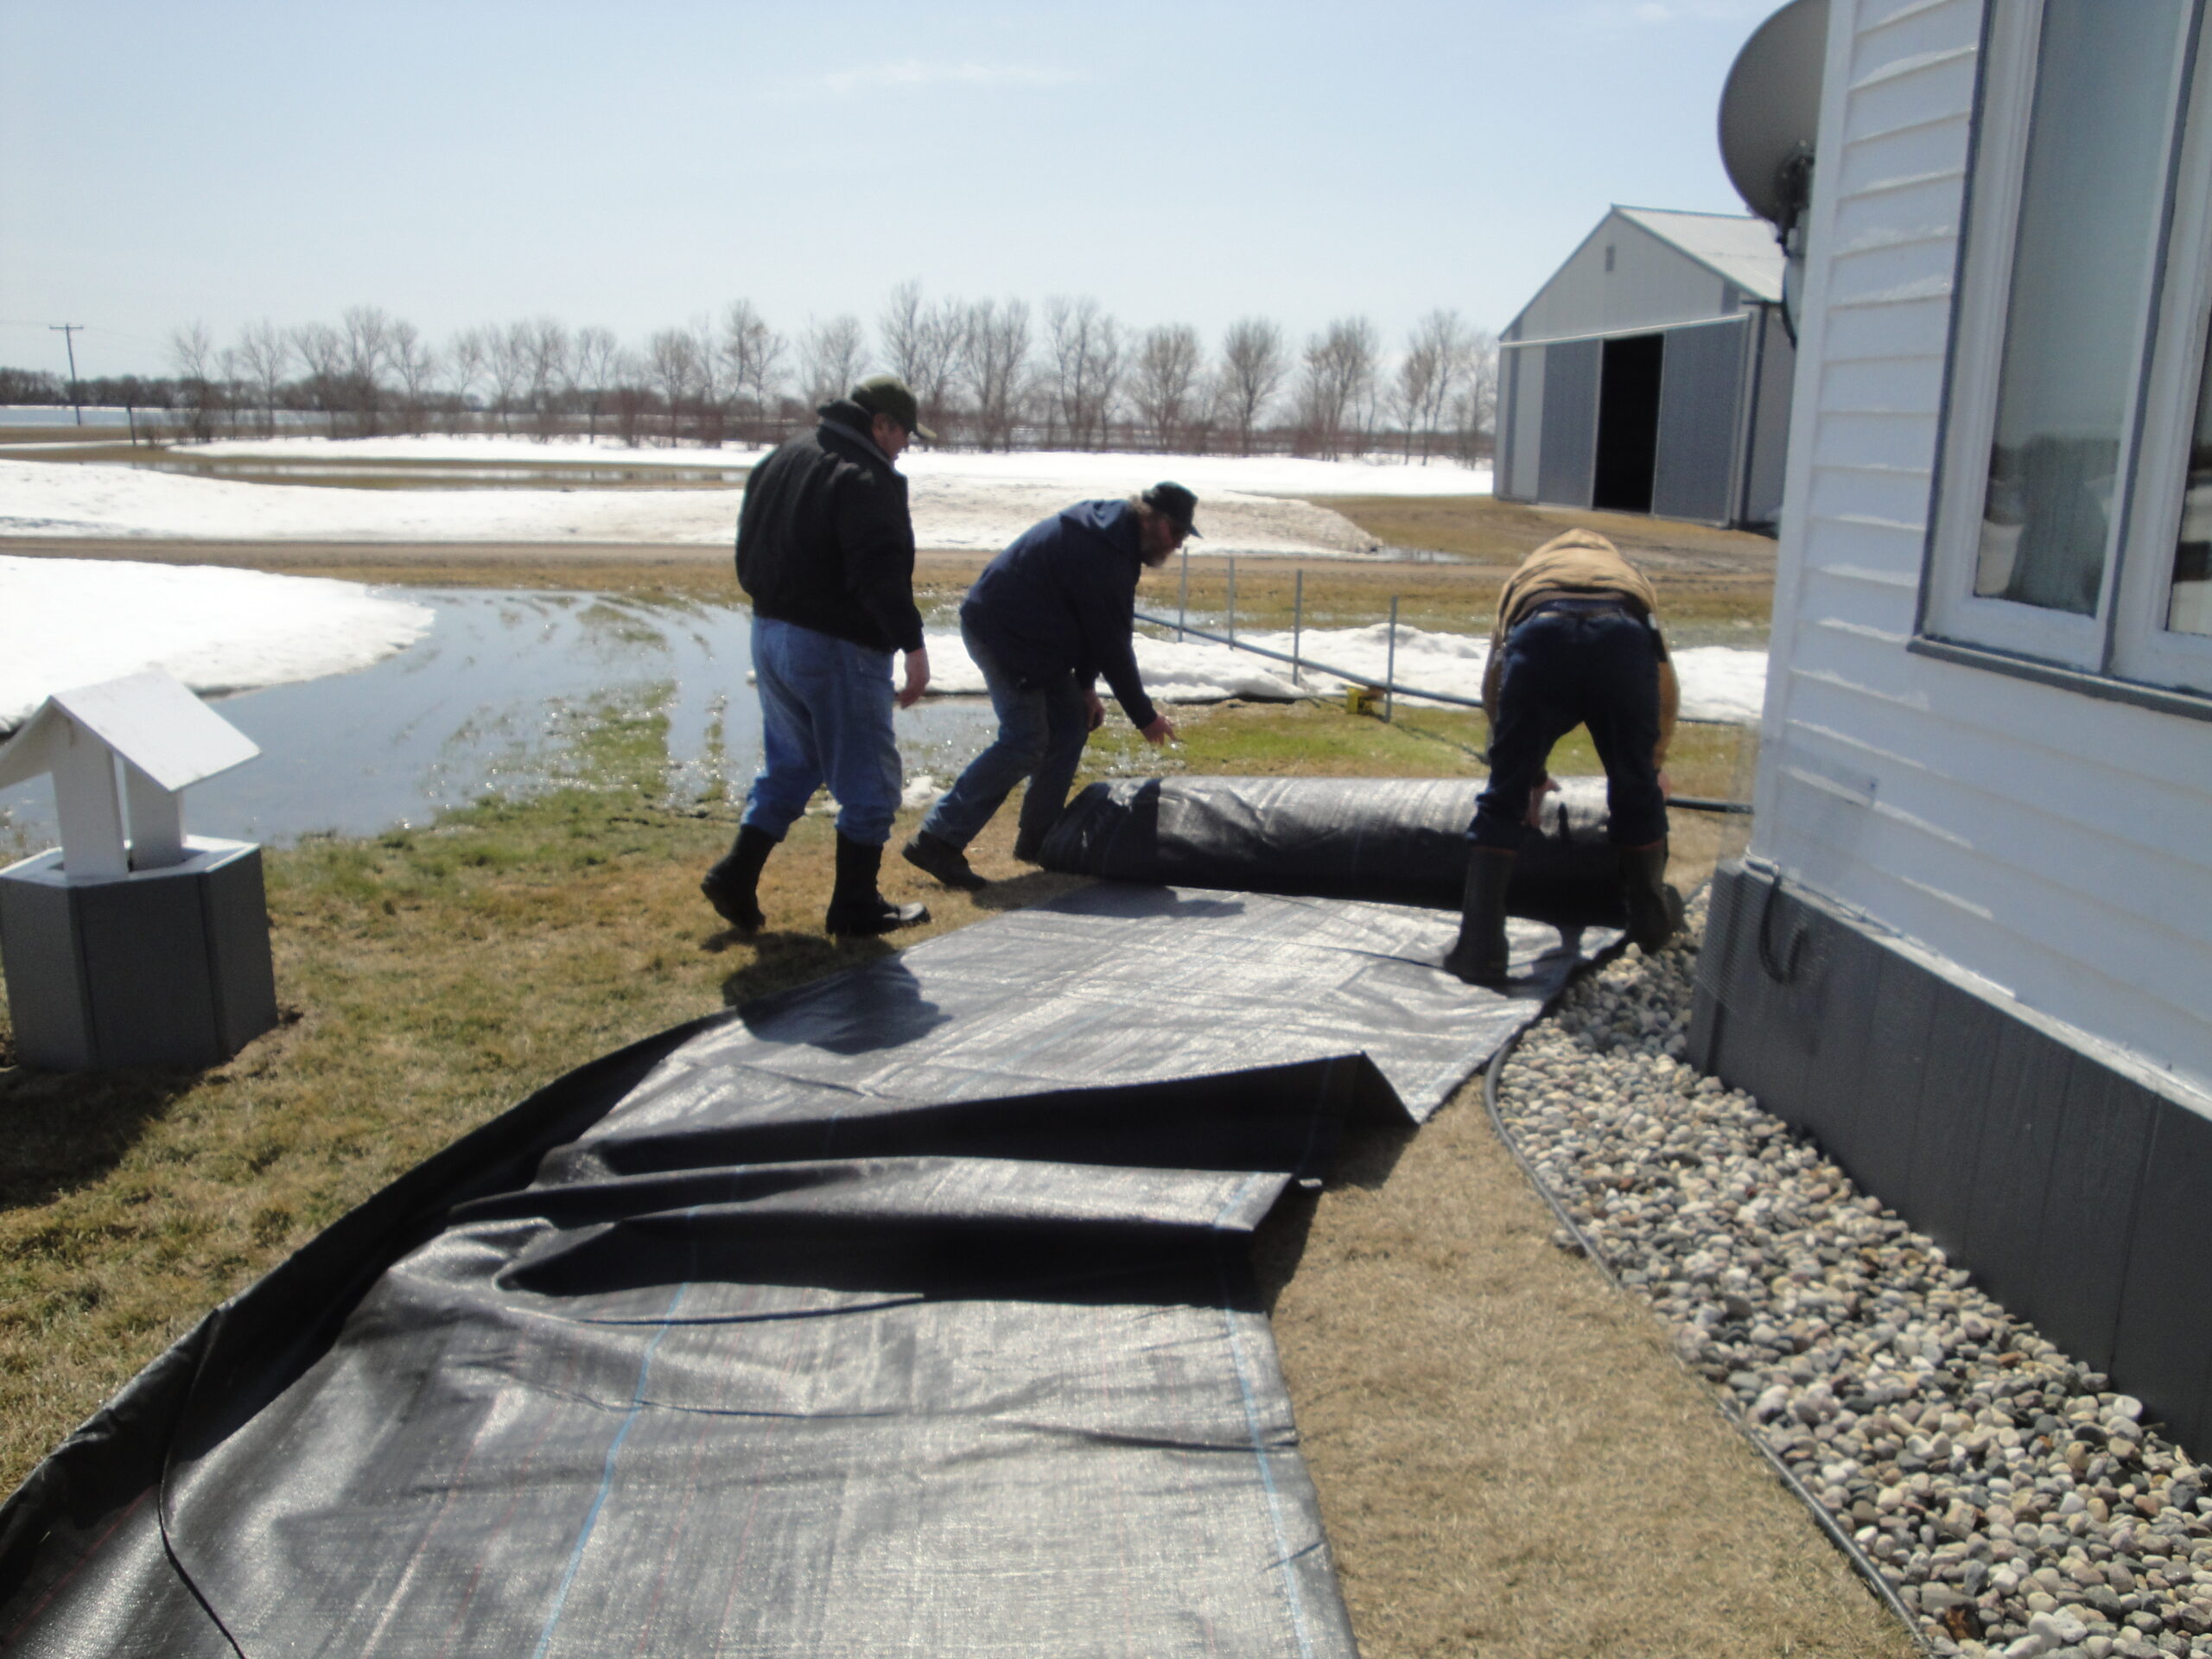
(1511,1463)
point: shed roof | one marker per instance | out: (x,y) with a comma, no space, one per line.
(1740,248)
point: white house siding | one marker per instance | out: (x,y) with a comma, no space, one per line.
(1652,283)
(2050,843)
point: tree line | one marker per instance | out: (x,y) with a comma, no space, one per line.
(989,374)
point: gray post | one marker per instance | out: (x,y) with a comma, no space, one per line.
(1391,665)
(1232,601)
(1297,622)
(69,331)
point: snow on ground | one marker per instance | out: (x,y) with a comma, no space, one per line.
(952,512)
(70,622)
(1081,471)
(1718,682)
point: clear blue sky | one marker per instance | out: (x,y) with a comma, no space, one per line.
(640,165)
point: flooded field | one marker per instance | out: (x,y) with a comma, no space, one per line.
(492,701)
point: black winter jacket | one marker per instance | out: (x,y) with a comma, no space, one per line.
(1062,597)
(825,539)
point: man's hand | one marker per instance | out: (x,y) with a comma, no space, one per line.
(1159,731)
(1545,786)
(1094,710)
(918,676)
(1666,786)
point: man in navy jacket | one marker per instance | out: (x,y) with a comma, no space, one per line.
(1047,618)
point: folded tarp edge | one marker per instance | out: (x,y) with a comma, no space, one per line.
(125,1447)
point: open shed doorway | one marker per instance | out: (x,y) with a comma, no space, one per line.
(1628,423)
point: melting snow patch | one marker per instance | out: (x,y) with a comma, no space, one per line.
(67,622)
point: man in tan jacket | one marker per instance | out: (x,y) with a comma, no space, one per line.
(1577,643)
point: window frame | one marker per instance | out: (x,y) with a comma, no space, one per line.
(2125,640)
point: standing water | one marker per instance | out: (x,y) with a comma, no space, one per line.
(492,701)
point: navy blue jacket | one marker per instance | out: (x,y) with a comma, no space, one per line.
(1061,599)
(825,539)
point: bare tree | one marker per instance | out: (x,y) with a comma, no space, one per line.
(1474,411)
(467,356)
(1429,377)
(1253,365)
(1083,347)
(192,354)
(507,353)
(754,353)
(831,356)
(923,344)
(673,363)
(1165,380)
(263,356)
(322,357)
(1336,390)
(995,365)
(415,365)
(549,370)
(631,397)
(367,333)
(598,359)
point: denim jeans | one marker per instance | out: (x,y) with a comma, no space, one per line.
(1569,668)
(1042,729)
(825,717)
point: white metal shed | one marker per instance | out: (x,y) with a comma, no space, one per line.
(1651,373)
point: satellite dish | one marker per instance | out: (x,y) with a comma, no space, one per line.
(1770,113)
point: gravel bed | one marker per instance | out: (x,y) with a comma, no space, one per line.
(2017,1505)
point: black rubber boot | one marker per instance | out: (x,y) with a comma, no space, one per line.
(1655,910)
(1481,957)
(1029,838)
(733,886)
(933,856)
(856,907)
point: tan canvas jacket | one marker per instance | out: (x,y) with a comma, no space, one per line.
(1581,564)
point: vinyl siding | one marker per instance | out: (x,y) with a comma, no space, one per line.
(2048,842)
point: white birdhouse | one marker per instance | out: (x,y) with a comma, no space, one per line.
(132,944)
(165,738)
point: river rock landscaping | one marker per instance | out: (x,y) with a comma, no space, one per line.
(2015,1503)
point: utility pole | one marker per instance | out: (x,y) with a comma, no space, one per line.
(68,331)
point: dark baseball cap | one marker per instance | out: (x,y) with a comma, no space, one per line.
(1176,502)
(886,394)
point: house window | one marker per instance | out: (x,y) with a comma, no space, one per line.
(2072,523)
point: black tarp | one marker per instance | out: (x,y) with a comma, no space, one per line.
(905,1312)
(1398,839)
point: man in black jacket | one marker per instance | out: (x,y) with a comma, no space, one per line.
(1045,618)
(825,550)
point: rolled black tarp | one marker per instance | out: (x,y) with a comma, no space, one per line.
(1401,840)
(905,1312)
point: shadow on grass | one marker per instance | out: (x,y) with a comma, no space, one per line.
(64,1130)
(1018,891)
(1364,1158)
(782,960)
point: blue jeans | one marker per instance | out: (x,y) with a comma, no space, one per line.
(1042,729)
(825,717)
(1564,669)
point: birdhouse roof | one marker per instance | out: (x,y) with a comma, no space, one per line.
(148,719)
